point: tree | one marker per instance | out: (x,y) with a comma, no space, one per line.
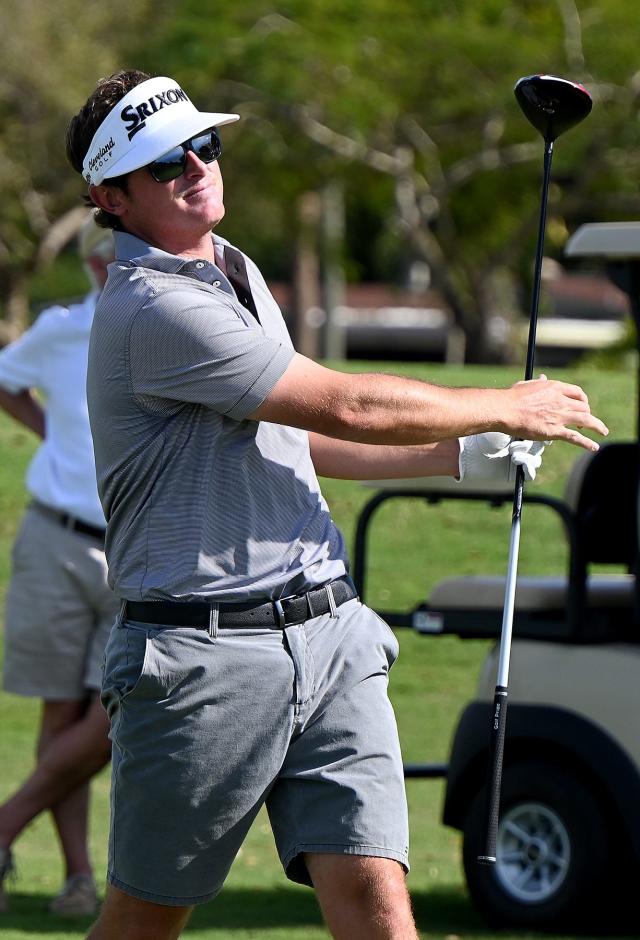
(419,92)
(52,56)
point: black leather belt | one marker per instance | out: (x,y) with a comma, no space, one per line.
(277,614)
(70,522)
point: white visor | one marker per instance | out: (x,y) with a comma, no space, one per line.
(151,119)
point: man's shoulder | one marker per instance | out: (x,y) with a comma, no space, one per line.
(65,318)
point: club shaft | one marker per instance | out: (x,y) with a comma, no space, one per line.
(500,698)
(499,711)
(510,586)
(537,271)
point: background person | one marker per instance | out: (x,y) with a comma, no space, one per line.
(243,669)
(59,606)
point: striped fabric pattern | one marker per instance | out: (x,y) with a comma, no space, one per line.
(200,502)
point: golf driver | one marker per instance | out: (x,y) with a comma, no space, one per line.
(553,105)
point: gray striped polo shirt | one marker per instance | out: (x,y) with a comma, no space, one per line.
(199,500)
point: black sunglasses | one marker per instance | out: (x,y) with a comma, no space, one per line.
(206,146)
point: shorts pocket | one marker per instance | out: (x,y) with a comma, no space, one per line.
(124,665)
(22,550)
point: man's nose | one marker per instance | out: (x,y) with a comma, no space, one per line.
(194,165)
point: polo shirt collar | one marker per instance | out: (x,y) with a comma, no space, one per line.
(137,251)
(133,250)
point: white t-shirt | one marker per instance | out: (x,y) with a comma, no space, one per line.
(52,357)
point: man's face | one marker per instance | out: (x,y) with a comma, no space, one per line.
(175,214)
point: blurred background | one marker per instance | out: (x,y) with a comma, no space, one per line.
(382,175)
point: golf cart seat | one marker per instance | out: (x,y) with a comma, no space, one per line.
(472,607)
(599,513)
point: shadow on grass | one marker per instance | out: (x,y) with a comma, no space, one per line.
(438,911)
(443,911)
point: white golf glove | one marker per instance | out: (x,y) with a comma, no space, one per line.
(493,456)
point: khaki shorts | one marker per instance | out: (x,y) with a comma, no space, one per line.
(207,729)
(59,611)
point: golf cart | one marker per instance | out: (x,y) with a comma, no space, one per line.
(569,823)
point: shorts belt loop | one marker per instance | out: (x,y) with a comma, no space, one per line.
(312,612)
(214,616)
(280,613)
(122,613)
(332,601)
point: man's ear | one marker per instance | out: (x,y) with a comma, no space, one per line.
(110,198)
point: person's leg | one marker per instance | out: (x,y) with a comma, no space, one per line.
(67,762)
(362,898)
(338,808)
(49,632)
(55,717)
(71,817)
(124,917)
(70,814)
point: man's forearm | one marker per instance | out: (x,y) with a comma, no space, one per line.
(24,408)
(389,410)
(394,410)
(344,460)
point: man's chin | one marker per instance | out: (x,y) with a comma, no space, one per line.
(215,215)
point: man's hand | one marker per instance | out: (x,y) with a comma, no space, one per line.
(494,456)
(551,410)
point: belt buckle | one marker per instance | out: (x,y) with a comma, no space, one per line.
(280,612)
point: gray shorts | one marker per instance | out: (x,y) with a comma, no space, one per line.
(59,611)
(206,729)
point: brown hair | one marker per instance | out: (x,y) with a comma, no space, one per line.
(83,125)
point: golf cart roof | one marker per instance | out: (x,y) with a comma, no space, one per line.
(618,244)
(619,240)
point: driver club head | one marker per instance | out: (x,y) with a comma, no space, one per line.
(553,105)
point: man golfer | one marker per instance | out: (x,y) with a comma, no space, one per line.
(243,669)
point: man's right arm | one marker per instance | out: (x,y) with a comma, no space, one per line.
(21,370)
(386,409)
(25,408)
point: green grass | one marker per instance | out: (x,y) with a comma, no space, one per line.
(412,546)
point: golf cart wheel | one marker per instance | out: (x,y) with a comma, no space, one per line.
(552,849)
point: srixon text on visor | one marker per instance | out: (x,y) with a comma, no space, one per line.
(136,118)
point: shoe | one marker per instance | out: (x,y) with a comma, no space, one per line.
(78,897)
(6,869)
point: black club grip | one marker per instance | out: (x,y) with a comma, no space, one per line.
(494,776)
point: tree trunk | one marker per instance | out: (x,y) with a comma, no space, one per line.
(308,313)
(16,307)
(496,340)
(334,344)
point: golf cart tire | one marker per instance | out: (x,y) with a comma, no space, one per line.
(556,876)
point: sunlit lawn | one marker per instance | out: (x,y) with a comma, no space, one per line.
(413,546)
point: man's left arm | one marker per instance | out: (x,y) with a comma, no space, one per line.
(346,460)
(484,458)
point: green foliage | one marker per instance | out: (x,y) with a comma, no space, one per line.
(432,79)
(46,71)
(353,91)
(63,280)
